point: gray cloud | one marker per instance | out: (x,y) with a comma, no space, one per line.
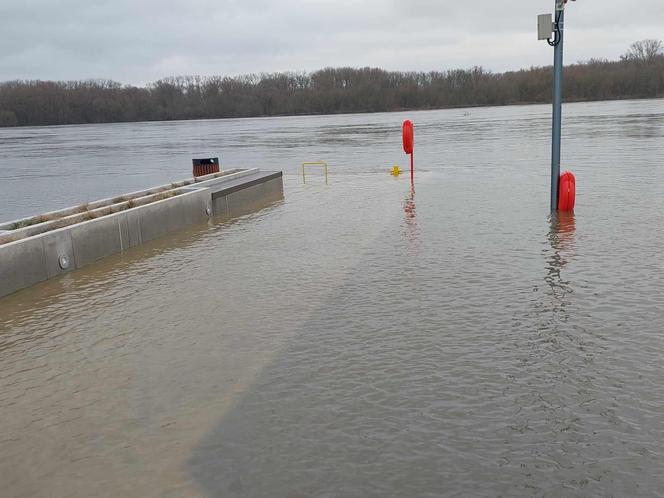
(138,41)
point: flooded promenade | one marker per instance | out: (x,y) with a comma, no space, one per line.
(355,339)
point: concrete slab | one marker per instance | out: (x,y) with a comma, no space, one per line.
(123,229)
(195,208)
(220,207)
(58,252)
(160,218)
(273,190)
(133,219)
(251,199)
(52,253)
(96,239)
(21,265)
(235,185)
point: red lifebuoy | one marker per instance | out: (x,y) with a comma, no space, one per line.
(566,191)
(408,137)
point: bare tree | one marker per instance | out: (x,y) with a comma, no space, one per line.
(644,51)
(640,74)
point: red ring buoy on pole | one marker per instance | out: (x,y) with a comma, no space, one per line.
(566,191)
(408,137)
(409,145)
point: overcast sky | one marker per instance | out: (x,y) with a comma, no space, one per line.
(138,41)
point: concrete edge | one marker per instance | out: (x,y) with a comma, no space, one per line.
(227,175)
(36,258)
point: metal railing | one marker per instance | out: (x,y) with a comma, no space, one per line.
(313,163)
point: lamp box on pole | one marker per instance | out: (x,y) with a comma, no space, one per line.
(544,26)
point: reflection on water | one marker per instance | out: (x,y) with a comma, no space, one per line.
(562,239)
(410,215)
(409,206)
(302,351)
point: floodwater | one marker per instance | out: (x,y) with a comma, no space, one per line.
(358,339)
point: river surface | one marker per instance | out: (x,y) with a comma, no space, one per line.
(359,339)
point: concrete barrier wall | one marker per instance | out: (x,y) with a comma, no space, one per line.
(201,180)
(231,203)
(34,259)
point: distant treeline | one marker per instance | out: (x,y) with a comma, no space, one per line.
(638,74)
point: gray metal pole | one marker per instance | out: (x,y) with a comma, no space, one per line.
(557,109)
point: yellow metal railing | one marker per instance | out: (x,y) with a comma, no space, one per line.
(314,163)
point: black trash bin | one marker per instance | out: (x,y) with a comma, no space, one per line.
(205,166)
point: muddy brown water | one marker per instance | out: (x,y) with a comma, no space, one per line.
(355,339)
